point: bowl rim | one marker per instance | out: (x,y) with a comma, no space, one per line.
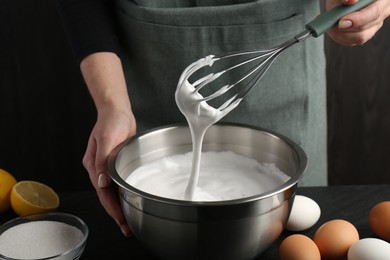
(31,218)
(302,167)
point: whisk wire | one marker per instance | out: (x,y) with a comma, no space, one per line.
(263,58)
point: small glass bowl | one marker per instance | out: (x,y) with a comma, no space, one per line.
(71,254)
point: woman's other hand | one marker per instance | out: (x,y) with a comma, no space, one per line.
(115,123)
(358,27)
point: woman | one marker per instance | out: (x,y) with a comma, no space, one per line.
(138,49)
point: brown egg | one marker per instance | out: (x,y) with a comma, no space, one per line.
(379,219)
(298,247)
(334,238)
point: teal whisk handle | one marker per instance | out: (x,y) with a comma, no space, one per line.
(327,20)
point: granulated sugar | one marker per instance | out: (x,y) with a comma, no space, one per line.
(39,239)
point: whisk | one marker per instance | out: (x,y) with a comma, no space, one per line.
(262,59)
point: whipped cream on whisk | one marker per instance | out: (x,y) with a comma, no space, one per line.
(200,115)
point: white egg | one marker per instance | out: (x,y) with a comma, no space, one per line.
(305,212)
(369,249)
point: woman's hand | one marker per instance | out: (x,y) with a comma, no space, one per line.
(111,129)
(359,27)
(104,77)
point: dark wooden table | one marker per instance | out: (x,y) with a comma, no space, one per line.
(351,203)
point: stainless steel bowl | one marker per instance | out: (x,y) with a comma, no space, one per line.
(235,229)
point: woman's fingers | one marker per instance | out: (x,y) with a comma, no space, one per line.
(359,27)
(108,197)
(94,161)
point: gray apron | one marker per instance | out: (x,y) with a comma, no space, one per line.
(161,38)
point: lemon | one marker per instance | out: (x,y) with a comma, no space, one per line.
(30,197)
(7,181)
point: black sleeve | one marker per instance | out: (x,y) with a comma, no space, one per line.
(89,25)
